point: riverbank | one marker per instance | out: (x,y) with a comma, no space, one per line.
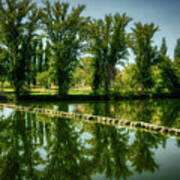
(90,97)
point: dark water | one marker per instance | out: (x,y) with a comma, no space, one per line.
(36,146)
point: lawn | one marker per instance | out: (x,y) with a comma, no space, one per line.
(45,91)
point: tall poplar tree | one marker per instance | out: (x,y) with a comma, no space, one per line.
(163,49)
(37,58)
(146,54)
(177,50)
(108,45)
(63,25)
(176,61)
(19,20)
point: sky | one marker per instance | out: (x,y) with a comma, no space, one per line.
(163,13)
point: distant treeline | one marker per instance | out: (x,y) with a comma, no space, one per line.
(55,44)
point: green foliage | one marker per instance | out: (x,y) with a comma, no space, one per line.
(63,27)
(19,21)
(3,67)
(109,47)
(165,76)
(3,64)
(43,79)
(163,49)
(40,58)
(84,72)
(177,50)
(126,80)
(176,64)
(49,45)
(169,75)
(146,54)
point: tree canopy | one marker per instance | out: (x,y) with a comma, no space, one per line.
(62,26)
(163,48)
(54,44)
(146,54)
(108,45)
(19,21)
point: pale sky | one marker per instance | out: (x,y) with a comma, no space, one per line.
(164,13)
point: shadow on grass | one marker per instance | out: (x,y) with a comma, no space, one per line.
(93,97)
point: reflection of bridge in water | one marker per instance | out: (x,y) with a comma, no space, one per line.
(98,119)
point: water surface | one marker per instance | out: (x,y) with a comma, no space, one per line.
(161,112)
(36,146)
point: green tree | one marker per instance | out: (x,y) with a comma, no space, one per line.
(63,27)
(177,50)
(176,65)
(19,21)
(3,66)
(84,72)
(43,79)
(39,58)
(164,48)
(108,45)
(176,61)
(126,80)
(169,75)
(146,54)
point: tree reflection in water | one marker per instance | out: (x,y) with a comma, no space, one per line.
(162,112)
(34,146)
